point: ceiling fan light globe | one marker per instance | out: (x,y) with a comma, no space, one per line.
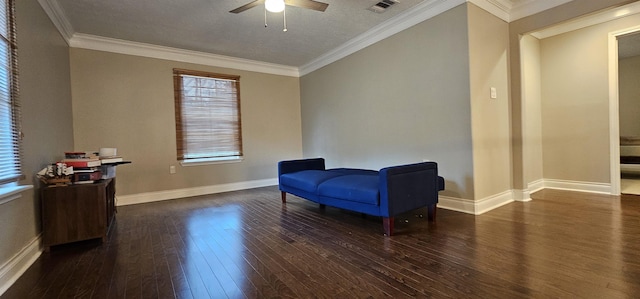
(274,5)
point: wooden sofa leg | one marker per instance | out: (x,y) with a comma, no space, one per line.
(387,223)
(431,212)
(283,195)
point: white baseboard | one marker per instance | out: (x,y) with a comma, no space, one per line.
(521,195)
(591,187)
(131,199)
(524,195)
(18,264)
(492,202)
(477,207)
(535,186)
(456,204)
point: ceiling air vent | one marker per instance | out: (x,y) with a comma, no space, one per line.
(382,6)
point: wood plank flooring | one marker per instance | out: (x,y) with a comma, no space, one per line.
(246,244)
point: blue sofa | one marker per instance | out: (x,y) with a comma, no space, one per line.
(386,193)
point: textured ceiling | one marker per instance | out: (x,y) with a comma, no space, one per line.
(207,26)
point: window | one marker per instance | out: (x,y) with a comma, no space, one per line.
(10,170)
(207,116)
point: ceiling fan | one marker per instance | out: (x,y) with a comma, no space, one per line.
(309,4)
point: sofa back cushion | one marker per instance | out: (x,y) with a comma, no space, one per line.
(300,165)
(346,171)
(307,180)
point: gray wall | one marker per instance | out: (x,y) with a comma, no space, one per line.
(401,100)
(47,124)
(370,109)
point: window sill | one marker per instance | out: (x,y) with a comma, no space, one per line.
(11,192)
(209,161)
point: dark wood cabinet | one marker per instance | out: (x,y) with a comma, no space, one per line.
(77,212)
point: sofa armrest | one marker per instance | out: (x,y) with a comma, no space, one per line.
(290,166)
(407,187)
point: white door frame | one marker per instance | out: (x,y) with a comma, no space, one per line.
(614,107)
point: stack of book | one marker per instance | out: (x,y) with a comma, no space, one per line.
(86,168)
(110,160)
(109,166)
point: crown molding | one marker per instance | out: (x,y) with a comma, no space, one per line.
(423,11)
(594,19)
(532,7)
(502,9)
(498,8)
(93,42)
(58,18)
(508,12)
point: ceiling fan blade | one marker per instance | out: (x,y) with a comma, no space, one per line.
(247,6)
(310,4)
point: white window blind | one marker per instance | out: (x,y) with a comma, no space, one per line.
(9,106)
(207,116)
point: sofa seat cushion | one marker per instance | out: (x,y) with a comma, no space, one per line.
(307,180)
(356,188)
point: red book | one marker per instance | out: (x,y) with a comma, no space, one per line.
(81,163)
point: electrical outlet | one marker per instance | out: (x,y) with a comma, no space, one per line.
(172,169)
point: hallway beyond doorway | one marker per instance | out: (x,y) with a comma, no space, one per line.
(630,184)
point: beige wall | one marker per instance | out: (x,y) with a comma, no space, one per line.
(548,18)
(401,100)
(531,116)
(127,102)
(490,123)
(575,102)
(629,95)
(46,119)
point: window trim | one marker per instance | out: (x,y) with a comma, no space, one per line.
(12,191)
(178,102)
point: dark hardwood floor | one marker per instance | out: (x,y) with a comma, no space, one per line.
(245,244)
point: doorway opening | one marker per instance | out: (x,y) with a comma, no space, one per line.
(628,58)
